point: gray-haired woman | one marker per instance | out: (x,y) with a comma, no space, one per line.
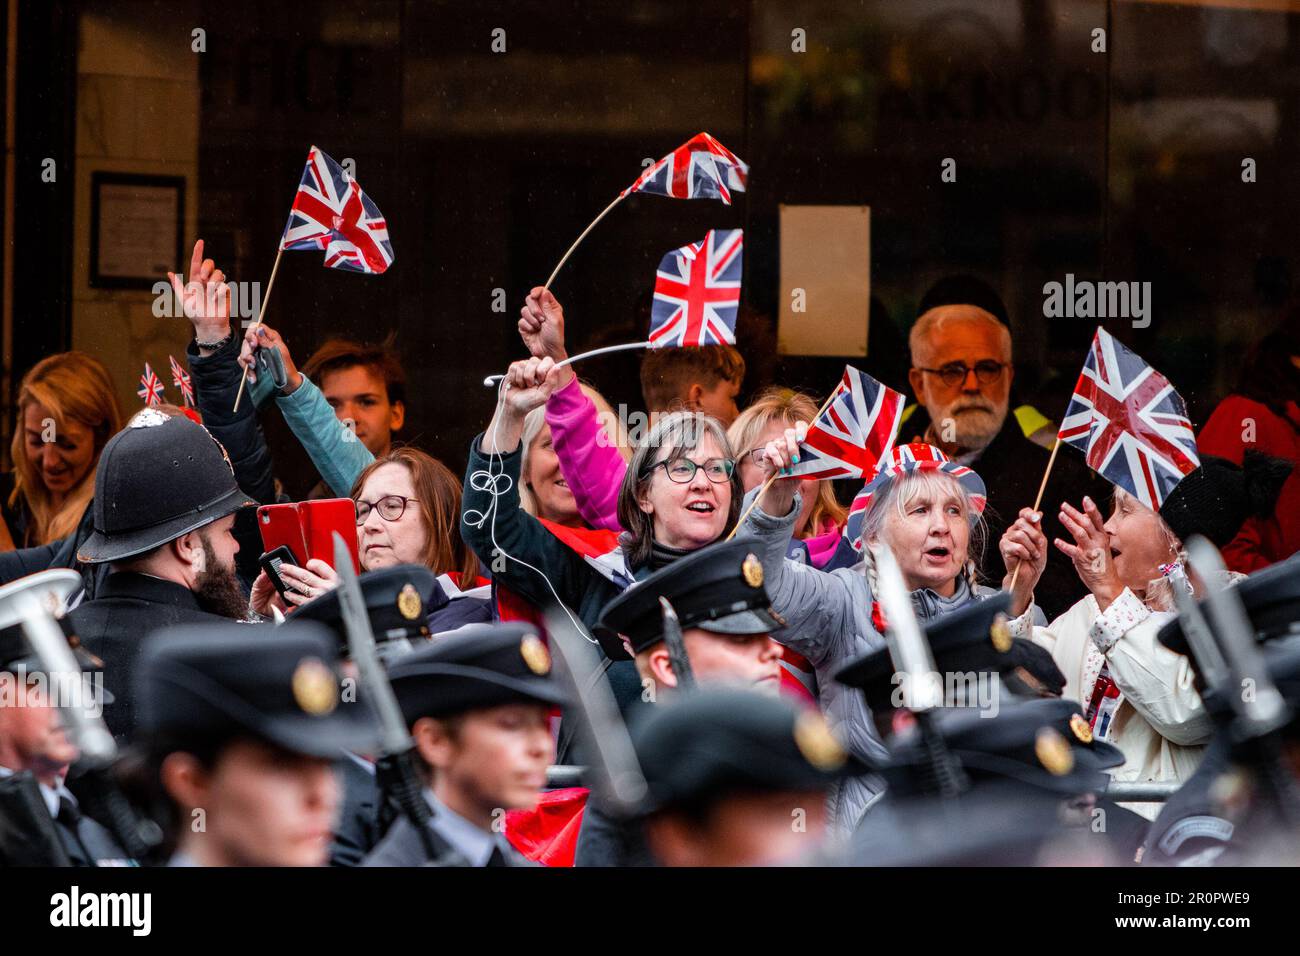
(928,511)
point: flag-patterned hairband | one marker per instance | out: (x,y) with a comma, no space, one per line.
(902,459)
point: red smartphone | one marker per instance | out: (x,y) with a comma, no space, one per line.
(307,528)
(320,519)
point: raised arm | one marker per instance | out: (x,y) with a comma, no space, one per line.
(592,466)
(205,300)
(818,607)
(508,540)
(335,450)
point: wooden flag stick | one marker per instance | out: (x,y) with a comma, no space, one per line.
(1037,501)
(776,474)
(565,258)
(243,379)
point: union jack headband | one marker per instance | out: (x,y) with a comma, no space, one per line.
(902,459)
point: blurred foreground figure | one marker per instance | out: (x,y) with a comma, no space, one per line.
(243,726)
(736,779)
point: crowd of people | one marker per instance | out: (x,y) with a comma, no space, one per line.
(742,619)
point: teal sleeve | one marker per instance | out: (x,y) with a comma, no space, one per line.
(334,448)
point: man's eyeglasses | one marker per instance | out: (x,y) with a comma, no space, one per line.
(390,508)
(682,470)
(986,372)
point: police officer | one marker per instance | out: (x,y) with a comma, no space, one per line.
(396,601)
(165,503)
(243,725)
(726,622)
(735,778)
(478,704)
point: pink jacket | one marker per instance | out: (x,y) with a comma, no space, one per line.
(593,468)
(591,463)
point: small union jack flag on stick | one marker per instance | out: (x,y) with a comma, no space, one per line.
(1130,423)
(855,429)
(697,292)
(332,214)
(181,379)
(701,168)
(849,435)
(151,387)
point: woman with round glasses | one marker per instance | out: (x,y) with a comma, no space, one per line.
(407,508)
(681,492)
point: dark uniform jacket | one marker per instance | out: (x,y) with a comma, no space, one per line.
(113,626)
(358,829)
(605,840)
(402,846)
(1012,468)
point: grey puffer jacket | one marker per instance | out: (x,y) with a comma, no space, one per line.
(828,621)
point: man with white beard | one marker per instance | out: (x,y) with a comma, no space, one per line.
(961,373)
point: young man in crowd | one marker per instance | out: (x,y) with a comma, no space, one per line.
(704,379)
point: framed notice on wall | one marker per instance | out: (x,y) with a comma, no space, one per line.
(136,226)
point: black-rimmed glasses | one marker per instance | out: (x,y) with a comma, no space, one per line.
(682,470)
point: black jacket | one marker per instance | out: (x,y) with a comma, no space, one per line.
(113,626)
(1012,468)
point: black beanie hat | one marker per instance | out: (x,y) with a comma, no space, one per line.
(1216,499)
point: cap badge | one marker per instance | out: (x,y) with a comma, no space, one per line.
(535,655)
(408,602)
(1000,634)
(816,742)
(147,418)
(1079,724)
(314,687)
(1053,752)
(752,569)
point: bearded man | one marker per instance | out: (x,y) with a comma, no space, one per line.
(165,503)
(961,373)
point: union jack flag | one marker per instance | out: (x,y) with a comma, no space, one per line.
(702,168)
(181,379)
(916,456)
(151,387)
(697,292)
(853,432)
(1130,424)
(331,213)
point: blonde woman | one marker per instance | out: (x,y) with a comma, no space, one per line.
(819,527)
(67,412)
